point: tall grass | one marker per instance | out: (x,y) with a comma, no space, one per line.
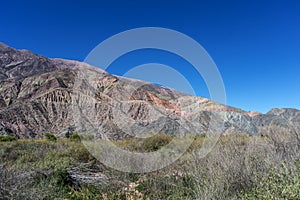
(265,166)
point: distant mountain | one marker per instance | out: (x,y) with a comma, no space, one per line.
(38,95)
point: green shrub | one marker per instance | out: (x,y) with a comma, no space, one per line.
(50,137)
(155,142)
(75,137)
(62,177)
(7,138)
(80,153)
(148,144)
(283,183)
(133,177)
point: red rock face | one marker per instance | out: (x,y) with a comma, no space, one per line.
(253,113)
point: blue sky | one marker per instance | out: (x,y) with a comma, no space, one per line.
(255,44)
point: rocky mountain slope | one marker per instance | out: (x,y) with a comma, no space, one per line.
(40,95)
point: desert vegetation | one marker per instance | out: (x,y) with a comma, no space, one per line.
(6,138)
(264,166)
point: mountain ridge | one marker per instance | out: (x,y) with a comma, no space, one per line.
(38,94)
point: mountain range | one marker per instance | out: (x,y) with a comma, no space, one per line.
(39,95)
